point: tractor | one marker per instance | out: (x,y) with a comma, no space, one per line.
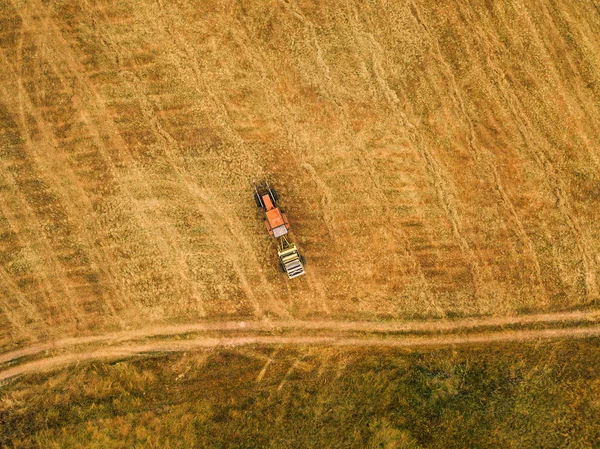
(290,260)
(275,220)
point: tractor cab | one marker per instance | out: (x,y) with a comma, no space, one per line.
(275,220)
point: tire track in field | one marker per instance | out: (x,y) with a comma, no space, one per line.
(446,195)
(51,265)
(100,125)
(116,351)
(188,62)
(504,199)
(61,171)
(413,266)
(555,185)
(211,210)
(258,57)
(392,99)
(442,186)
(167,141)
(7,306)
(582,101)
(55,44)
(296,11)
(16,179)
(327,196)
(553,180)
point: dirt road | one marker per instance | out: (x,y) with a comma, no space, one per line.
(335,333)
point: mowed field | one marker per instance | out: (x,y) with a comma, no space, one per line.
(435,159)
(495,396)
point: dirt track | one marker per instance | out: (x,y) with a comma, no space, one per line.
(331,333)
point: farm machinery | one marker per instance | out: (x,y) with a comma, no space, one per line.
(290,260)
(275,220)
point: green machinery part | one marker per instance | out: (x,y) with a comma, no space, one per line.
(290,260)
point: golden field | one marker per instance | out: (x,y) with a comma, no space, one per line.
(440,166)
(434,159)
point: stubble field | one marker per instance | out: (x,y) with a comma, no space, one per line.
(435,160)
(439,163)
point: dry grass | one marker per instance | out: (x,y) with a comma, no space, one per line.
(435,159)
(510,396)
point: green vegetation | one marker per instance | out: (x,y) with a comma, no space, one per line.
(506,396)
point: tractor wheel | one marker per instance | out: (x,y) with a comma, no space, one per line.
(303,260)
(281,267)
(257,201)
(274,195)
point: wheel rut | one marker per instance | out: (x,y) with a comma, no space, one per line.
(228,334)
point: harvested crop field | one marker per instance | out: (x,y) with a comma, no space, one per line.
(434,159)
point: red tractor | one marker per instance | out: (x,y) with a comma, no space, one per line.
(290,260)
(275,220)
